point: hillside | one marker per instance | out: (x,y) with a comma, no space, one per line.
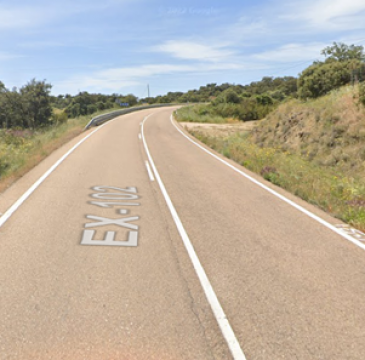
(314,149)
(329,130)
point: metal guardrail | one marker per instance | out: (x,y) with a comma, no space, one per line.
(97,120)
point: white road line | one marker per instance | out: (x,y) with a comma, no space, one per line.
(139,137)
(25,196)
(219,314)
(292,203)
(149,171)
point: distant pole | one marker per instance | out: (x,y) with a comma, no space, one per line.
(148,89)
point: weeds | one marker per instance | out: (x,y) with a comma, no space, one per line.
(198,113)
(341,195)
(20,149)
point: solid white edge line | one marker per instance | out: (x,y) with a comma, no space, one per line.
(149,171)
(292,203)
(219,314)
(25,196)
(139,137)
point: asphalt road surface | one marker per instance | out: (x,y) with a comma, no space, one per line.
(93,264)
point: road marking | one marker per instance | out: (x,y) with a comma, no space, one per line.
(109,236)
(109,204)
(109,239)
(139,137)
(347,229)
(104,188)
(150,174)
(115,196)
(219,314)
(292,203)
(26,195)
(102,221)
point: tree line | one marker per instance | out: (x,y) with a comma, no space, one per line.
(33,106)
(343,65)
(28,107)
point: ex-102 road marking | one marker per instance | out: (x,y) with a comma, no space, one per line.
(127,194)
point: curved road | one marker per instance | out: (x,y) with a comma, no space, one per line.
(93,266)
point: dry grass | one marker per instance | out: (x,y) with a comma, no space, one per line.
(221,129)
(329,130)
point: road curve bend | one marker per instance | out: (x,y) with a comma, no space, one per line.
(93,263)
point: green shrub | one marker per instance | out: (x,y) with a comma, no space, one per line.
(320,78)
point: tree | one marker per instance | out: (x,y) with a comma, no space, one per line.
(264,99)
(232,97)
(73,110)
(342,52)
(36,103)
(100,105)
(11,113)
(131,99)
(91,109)
(320,78)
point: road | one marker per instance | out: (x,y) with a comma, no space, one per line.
(93,264)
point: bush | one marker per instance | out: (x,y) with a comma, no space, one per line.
(320,78)
(232,97)
(73,111)
(100,105)
(91,109)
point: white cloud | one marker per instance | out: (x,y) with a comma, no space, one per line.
(326,15)
(12,17)
(142,71)
(116,79)
(41,44)
(189,50)
(20,16)
(333,10)
(292,52)
(8,56)
(247,29)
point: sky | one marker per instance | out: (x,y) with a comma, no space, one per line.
(121,46)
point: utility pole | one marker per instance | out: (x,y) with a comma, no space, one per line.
(148,89)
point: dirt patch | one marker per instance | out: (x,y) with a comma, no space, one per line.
(220,129)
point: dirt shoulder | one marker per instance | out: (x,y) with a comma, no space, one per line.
(220,129)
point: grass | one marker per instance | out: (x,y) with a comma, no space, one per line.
(334,189)
(198,113)
(21,150)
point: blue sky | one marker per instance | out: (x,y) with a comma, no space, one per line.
(122,45)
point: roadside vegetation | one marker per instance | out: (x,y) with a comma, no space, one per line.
(33,123)
(22,149)
(312,144)
(309,136)
(240,103)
